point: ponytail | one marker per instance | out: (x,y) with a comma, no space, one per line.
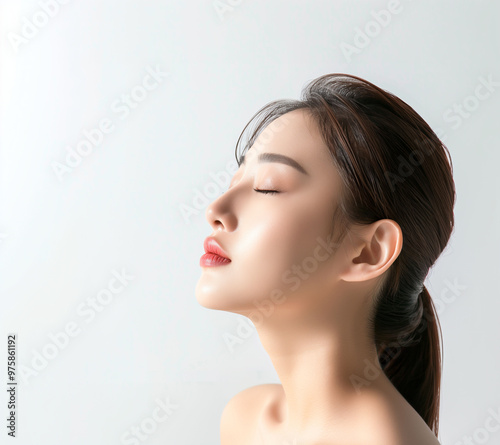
(413,364)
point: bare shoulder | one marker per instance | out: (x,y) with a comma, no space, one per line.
(241,413)
(395,422)
(258,411)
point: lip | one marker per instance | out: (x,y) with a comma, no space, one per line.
(214,254)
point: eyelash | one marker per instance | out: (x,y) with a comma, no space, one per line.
(267,192)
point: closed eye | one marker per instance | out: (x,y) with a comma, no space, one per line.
(271,192)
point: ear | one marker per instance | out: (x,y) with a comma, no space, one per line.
(371,249)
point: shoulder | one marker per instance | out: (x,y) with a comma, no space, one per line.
(243,410)
(250,401)
(395,422)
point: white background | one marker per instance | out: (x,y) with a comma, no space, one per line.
(121,207)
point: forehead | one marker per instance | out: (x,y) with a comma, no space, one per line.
(295,134)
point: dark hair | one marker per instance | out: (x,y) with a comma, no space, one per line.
(393,166)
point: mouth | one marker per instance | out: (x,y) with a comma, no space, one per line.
(214,254)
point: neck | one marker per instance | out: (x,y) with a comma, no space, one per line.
(326,366)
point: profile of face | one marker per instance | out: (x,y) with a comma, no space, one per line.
(279,244)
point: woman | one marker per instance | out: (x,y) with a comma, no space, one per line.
(341,204)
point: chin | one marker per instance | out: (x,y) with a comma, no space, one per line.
(210,297)
(206,295)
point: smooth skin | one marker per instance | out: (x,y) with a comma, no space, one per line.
(316,333)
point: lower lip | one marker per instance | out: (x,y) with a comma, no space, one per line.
(212,260)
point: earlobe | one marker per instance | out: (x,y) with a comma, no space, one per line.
(371,249)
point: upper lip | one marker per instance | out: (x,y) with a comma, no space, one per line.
(212,246)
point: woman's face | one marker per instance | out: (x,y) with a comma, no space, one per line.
(277,243)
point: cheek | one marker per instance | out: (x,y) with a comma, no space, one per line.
(306,256)
(309,225)
(274,244)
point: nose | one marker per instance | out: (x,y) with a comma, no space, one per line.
(220,214)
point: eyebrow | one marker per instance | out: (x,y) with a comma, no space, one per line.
(282,159)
